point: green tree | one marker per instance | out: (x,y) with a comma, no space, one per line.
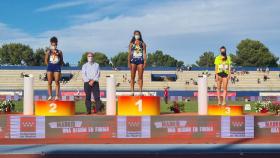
(67,64)
(158,58)
(254,53)
(120,60)
(233,59)
(16,54)
(206,59)
(99,58)
(38,57)
(180,63)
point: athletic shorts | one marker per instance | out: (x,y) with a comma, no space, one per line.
(223,74)
(137,61)
(53,68)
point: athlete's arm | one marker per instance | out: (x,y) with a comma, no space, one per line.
(129,56)
(145,55)
(46,57)
(229,71)
(216,72)
(61,60)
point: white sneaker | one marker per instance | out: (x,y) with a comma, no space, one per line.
(56,98)
(50,98)
(132,94)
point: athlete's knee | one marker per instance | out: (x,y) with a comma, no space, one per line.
(49,83)
(57,83)
(225,89)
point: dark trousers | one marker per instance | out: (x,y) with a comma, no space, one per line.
(166,99)
(96,93)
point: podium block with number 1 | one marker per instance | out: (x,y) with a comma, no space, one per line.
(138,105)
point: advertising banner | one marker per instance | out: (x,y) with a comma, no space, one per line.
(81,127)
(186,127)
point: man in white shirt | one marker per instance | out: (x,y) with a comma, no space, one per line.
(91,75)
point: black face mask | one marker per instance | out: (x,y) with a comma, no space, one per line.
(223,53)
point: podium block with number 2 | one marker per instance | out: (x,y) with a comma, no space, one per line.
(138,105)
(55,108)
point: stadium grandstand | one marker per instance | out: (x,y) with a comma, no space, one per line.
(242,78)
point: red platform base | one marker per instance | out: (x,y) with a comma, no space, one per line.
(169,129)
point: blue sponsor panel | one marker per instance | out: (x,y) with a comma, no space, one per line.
(237,127)
(27,127)
(134,127)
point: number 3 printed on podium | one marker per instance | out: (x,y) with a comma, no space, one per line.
(227,110)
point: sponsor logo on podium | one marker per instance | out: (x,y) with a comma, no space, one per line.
(26,127)
(134,127)
(237,127)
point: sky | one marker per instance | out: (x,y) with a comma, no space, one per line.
(181,28)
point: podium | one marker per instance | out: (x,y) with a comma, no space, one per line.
(54,108)
(138,105)
(233,110)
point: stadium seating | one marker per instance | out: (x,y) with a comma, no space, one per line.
(11,79)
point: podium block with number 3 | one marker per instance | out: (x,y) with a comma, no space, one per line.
(233,110)
(55,108)
(138,105)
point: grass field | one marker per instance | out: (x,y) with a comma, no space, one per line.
(190,106)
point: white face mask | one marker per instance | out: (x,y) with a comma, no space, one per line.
(137,37)
(90,59)
(53,47)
